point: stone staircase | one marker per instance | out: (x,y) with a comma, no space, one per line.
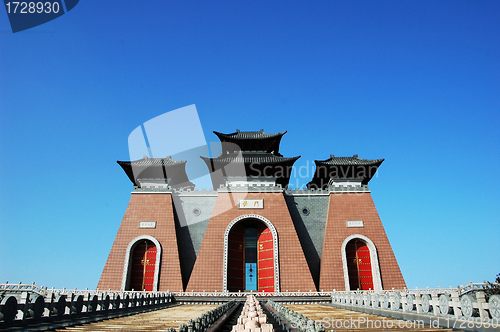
(341,320)
(159,320)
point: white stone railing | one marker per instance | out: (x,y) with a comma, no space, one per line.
(44,291)
(465,302)
(26,303)
(206,321)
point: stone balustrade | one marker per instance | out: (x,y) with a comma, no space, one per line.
(293,320)
(28,303)
(469,302)
(206,320)
(25,303)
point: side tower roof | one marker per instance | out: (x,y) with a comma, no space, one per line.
(343,168)
(172,171)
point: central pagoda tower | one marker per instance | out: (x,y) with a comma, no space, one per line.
(250,158)
(241,250)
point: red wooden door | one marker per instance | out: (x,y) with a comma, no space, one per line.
(265,260)
(143,266)
(359,265)
(236,259)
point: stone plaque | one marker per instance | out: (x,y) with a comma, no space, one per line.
(251,203)
(354,223)
(147,224)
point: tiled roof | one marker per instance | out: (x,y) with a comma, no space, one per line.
(354,160)
(249,134)
(253,157)
(158,162)
(157,168)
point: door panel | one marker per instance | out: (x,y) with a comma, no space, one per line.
(364,266)
(143,266)
(236,259)
(265,255)
(359,265)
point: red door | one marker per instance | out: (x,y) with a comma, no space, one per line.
(236,259)
(359,265)
(143,266)
(265,260)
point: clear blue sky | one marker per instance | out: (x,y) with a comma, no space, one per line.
(416,83)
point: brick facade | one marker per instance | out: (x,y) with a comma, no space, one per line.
(208,270)
(146,207)
(355,206)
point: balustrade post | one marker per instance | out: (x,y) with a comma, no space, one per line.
(481,302)
(435,303)
(70,299)
(391,301)
(51,304)
(25,302)
(404,301)
(86,302)
(455,302)
(418,302)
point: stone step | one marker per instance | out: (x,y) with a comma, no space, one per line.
(150,321)
(352,321)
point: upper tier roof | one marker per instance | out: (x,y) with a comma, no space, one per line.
(251,141)
(249,158)
(249,135)
(249,164)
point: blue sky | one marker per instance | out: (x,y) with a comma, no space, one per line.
(416,83)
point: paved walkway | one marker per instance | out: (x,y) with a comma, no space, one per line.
(335,319)
(159,320)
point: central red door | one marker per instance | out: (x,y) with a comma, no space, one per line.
(143,266)
(265,260)
(359,265)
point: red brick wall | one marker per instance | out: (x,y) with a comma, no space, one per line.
(355,206)
(146,207)
(208,270)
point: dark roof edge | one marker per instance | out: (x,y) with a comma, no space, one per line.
(168,161)
(235,135)
(355,159)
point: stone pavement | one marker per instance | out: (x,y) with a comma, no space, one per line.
(338,320)
(334,319)
(159,320)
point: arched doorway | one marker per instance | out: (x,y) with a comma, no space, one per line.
(250,257)
(143,266)
(359,265)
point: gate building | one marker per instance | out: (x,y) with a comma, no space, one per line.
(251,233)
